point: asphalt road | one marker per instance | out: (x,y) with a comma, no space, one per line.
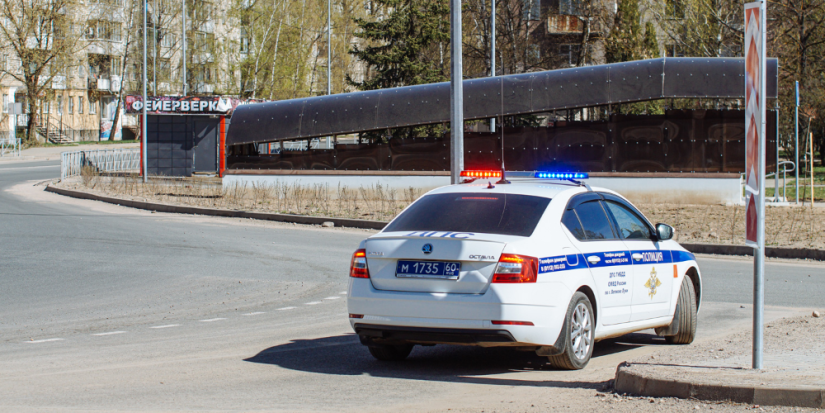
(114,309)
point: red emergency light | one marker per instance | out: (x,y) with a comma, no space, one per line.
(480,174)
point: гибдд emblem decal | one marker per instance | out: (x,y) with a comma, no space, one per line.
(652,283)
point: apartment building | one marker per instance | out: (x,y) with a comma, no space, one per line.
(82,98)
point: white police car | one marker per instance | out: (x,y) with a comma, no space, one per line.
(545,265)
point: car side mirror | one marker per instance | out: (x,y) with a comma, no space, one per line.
(664,231)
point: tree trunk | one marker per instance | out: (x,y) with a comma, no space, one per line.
(585,41)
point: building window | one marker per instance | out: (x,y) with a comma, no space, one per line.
(46,106)
(164,69)
(71,105)
(167,39)
(115,63)
(80,104)
(571,7)
(244,41)
(569,53)
(531,9)
(92,107)
(5,103)
(60,105)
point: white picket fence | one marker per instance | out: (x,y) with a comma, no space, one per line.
(106,160)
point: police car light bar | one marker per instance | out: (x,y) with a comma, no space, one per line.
(480,174)
(560,175)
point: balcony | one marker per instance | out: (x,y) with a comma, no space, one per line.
(109,84)
(570,24)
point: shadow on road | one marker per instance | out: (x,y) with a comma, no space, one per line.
(344,355)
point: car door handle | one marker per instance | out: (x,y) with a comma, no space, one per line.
(593,259)
(637,256)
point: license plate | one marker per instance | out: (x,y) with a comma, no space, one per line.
(428,269)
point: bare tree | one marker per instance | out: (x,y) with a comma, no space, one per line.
(41,34)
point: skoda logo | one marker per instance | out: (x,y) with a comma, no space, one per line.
(427,248)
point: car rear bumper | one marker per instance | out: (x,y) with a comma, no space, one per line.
(460,318)
(382,334)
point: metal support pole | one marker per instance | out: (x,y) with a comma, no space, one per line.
(796,140)
(145,101)
(456,94)
(329,48)
(776,176)
(329,53)
(759,253)
(185,91)
(492,51)
(154,48)
(811,140)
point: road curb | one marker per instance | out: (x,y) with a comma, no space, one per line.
(771,252)
(152,206)
(637,384)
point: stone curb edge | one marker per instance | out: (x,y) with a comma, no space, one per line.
(633,383)
(771,252)
(151,206)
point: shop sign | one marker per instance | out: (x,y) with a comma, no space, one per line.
(206,105)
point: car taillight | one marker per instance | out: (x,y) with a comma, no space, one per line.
(358,267)
(511,323)
(513,268)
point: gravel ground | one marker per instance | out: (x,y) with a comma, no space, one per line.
(797,227)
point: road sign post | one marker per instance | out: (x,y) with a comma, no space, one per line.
(755,162)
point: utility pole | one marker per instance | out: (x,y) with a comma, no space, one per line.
(492,51)
(184,49)
(456,94)
(145,101)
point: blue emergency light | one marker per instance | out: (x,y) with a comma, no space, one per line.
(560,175)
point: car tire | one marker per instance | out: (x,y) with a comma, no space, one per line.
(685,314)
(578,333)
(386,352)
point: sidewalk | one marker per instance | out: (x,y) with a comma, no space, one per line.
(794,373)
(50,153)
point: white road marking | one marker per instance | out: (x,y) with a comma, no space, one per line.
(312,303)
(343,293)
(332,298)
(45,340)
(212,319)
(285,308)
(110,333)
(255,313)
(167,326)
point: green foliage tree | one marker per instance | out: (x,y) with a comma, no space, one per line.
(403,48)
(651,43)
(626,40)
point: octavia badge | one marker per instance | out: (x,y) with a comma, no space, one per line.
(427,248)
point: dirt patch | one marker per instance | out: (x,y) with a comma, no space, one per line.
(797,227)
(793,349)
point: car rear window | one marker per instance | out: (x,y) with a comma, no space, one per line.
(504,214)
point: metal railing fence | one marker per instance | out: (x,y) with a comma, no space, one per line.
(106,160)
